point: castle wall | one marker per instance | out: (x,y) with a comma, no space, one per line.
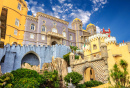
(14,54)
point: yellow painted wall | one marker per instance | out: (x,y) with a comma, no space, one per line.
(112,49)
(13,13)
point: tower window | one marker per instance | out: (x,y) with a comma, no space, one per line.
(43,28)
(64,34)
(94,47)
(15,32)
(31,36)
(32,27)
(91,71)
(17,22)
(19,6)
(71,38)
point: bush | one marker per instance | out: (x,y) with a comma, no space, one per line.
(81,86)
(6,80)
(76,77)
(66,58)
(93,83)
(27,83)
(51,79)
(28,74)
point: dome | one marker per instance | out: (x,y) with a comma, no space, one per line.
(90,24)
(76,19)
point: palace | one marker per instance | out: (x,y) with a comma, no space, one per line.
(19,28)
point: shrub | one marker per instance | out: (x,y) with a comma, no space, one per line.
(6,79)
(27,83)
(81,86)
(51,79)
(27,73)
(76,77)
(93,83)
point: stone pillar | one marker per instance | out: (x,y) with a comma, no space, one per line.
(104,56)
(72,58)
(48,40)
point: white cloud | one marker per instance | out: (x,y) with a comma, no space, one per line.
(98,29)
(32,2)
(61,1)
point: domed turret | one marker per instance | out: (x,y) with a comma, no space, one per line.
(76,19)
(91,28)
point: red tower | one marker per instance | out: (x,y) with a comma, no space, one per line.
(106,32)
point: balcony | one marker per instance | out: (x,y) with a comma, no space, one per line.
(55,34)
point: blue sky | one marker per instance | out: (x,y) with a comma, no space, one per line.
(113,14)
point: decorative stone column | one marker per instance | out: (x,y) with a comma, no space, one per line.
(48,40)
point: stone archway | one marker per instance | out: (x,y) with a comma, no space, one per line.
(31,59)
(54,43)
(89,74)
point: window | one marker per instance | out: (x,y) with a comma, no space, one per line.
(15,32)
(94,46)
(43,37)
(64,34)
(44,21)
(17,22)
(91,71)
(54,23)
(64,42)
(54,30)
(71,44)
(86,40)
(71,37)
(19,6)
(43,28)
(31,36)
(32,27)
(80,26)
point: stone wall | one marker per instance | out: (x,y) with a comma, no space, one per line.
(14,55)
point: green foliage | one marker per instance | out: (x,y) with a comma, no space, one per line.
(6,79)
(51,79)
(76,77)
(93,83)
(28,74)
(73,48)
(81,86)
(66,58)
(27,83)
(120,77)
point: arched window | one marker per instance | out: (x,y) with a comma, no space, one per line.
(43,28)
(71,38)
(32,27)
(64,34)
(54,30)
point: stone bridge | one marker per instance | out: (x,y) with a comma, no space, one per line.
(12,57)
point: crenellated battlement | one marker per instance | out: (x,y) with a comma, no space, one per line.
(122,44)
(91,38)
(110,40)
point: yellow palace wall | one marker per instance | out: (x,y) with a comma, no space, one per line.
(13,13)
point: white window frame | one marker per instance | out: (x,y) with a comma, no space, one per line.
(17,22)
(42,37)
(64,33)
(19,6)
(54,30)
(33,27)
(71,37)
(15,32)
(45,28)
(32,37)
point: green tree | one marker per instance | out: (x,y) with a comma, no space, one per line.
(120,77)
(73,48)
(76,78)
(51,79)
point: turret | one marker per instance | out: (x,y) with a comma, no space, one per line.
(72,58)
(91,28)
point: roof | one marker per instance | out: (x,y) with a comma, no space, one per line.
(90,24)
(76,19)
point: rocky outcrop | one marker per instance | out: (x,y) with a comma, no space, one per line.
(31,67)
(58,64)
